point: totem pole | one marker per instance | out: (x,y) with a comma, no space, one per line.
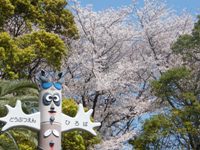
(49,121)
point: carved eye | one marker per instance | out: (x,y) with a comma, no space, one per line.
(47,98)
(56,99)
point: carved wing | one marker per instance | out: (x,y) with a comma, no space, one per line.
(80,121)
(16,117)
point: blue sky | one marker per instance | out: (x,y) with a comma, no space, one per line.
(192,6)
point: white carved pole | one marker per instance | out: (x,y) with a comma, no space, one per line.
(50,113)
(53,121)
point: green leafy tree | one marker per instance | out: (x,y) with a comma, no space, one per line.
(154,133)
(178,91)
(179,126)
(30,37)
(21,56)
(22,16)
(30,32)
(188,46)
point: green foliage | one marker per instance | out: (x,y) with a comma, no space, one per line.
(21,16)
(178,127)
(76,140)
(153,132)
(6,142)
(21,55)
(10,91)
(25,140)
(189,45)
(169,87)
(55,17)
(30,32)
(6,11)
(69,107)
(73,140)
(15,87)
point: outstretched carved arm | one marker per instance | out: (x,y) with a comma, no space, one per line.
(16,117)
(80,121)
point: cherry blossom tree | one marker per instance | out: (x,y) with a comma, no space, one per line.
(119,51)
(105,39)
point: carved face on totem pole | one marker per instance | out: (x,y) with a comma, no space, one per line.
(50,97)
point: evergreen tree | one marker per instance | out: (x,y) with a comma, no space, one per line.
(30,32)
(178,90)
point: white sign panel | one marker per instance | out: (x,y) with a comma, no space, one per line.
(80,121)
(16,117)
